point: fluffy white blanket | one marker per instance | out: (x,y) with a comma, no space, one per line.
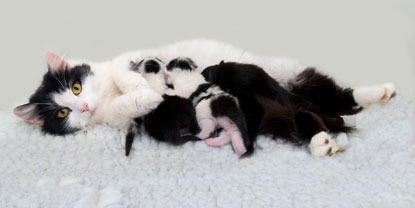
(89,169)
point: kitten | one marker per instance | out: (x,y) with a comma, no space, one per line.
(173,120)
(74,96)
(214,107)
(305,113)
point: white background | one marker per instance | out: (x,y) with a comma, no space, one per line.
(357,42)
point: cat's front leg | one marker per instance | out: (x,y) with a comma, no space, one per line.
(131,105)
(128,80)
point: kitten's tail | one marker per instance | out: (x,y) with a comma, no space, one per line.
(133,130)
(227,106)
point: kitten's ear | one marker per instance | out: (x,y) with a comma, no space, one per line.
(56,62)
(28,113)
(221,62)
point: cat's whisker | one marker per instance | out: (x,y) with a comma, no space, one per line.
(54,76)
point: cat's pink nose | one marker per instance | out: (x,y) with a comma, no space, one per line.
(84,108)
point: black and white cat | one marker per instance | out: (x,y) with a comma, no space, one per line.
(214,107)
(115,94)
(74,96)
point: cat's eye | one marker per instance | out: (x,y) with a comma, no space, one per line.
(76,88)
(63,112)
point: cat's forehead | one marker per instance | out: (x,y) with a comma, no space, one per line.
(58,81)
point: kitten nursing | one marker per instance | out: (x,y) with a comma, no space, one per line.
(214,107)
(276,97)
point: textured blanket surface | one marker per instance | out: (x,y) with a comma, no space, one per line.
(89,169)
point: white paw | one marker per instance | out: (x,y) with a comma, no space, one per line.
(365,96)
(390,92)
(170,92)
(322,145)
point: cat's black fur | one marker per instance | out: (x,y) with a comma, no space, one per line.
(55,81)
(315,102)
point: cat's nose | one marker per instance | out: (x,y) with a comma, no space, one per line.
(84,108)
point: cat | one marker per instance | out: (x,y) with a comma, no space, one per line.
(304,113)
(72,97)
(118,94)
(214,107)
(173,120)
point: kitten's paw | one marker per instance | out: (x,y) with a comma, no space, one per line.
(322,145)
(222,139)
(170,92)
(365,96)
(207,127)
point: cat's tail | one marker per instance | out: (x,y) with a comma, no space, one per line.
(133,130)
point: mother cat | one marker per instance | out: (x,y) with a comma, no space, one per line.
(76,94)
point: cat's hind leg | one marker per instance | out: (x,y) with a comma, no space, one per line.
(367,95)
(324,93)
(331,99)
(322,145)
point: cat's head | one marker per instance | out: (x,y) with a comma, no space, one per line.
(64,102)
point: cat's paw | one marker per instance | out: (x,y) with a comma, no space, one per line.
(389,93)
(365,96)
(322,145)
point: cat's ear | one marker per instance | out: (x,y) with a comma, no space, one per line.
(56,62)
(221,62)
(28,113)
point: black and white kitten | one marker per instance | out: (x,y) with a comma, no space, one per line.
(214,107)
(173,120)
